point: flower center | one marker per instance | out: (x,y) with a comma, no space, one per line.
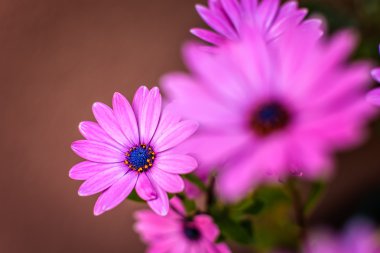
(140,158)
(269,118)
(191,231)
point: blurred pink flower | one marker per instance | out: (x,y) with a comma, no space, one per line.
(191,190)
(359,237)
(131,148)
(178,233)
(227,17)
(271,109)
(374,96)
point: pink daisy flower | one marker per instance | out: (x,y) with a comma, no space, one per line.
(271,109)
(131,147)
(358,238)
(178,233)
(228,17)
(374,96)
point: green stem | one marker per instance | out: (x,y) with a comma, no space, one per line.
(298,209)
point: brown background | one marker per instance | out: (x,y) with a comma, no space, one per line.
(56,58)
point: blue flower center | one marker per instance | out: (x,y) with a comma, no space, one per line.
(269,118)
(191,231)
(140,158)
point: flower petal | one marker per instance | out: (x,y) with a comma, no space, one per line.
(138,101)
(207,36)
(175,163)
(97,151)
(175,135)
(116,193)
(86,169)
(93,132)
(144,188)
(374,97)
(126,117)
(172,183)
(376,74)
(150,115)
(106,119)
(161,204)
(102,180)
(207,227)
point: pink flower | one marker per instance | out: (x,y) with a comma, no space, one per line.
(374,96)
(178,233)
(271,109)
(131,147)
(191,190)
(359,238)
(228,17)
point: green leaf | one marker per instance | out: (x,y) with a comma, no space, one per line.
(316,191)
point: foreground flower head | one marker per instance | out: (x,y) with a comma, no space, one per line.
(178,233)
(374,96)
(272,109)
(360,237)
(131,147)
(228,17)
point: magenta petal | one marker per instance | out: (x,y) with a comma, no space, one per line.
(150,115)
(232,9)
(175,135)
(207,227)
(126,117)
(175,163)
(145,188)
(172,183)
(376,74)
(116,193)
(86,169)
(160,205)
(207,36)
(97,151)
(169,118)
(102,180)
(93,132)
(106,119)
(138,101)
(373,97)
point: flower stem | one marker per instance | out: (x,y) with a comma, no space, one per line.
(298,206)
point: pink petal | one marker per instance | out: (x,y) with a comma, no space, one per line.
(176,203)
(374,97)
(172,183)
(138,101)
(97,151)
(108,122)
(168,119)
(150,115)
(102,180)
(376,74)
(160,205)
(207,36)
(206,225)
(233,11)
(116,193)
(175,163)
(93,132)
(223,248)
(144,188)
(175,135)
(86,169)
(249,7)
(126,117)
(215,22)
(267,12)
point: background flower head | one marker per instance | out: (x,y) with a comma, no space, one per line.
(272,109)
(178,233)
(359,237)
(374,96)
(228,17)
(131,147)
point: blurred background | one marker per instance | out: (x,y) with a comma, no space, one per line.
(59,56)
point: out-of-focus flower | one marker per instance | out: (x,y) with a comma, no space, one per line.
(228,17)
(191,190)
(178,233)
(272,109)
(131,148)
(359,237)
(374,96)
